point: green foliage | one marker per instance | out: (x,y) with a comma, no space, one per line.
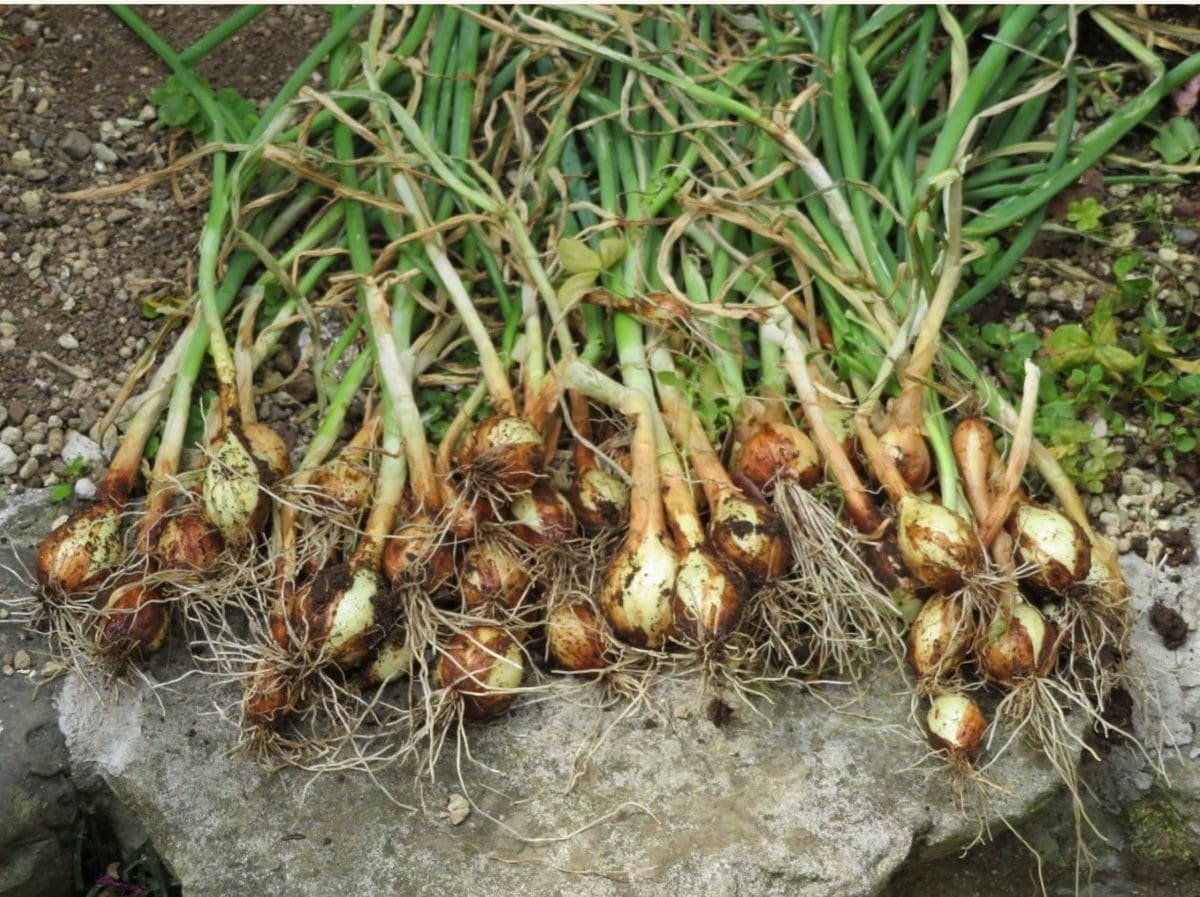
(1178,141)
(1085,214)
(1124,358)
(177,108)
(64,489)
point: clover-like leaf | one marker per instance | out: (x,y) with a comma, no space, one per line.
(578,258)
(612,250)
(1116,360)
(1070,346)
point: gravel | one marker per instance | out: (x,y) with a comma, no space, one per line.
(76,445)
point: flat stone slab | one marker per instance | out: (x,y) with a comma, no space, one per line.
(806,801)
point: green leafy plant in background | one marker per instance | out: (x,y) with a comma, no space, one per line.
(177,108)
(1085,214)
(1125,357)
(1178,141)
(66,488)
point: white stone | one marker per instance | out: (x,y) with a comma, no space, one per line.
(8,460)
(68,342)
(85,489)
(76,445)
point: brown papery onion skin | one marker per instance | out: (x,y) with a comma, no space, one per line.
(1027,647)
(938,638)
(600,499)
(751,536)
(575,638)
(482,665)
(509,448)
(907,448)
(135,623)
(188,542)
(78,555)
(779,451)
(268,447)
(492,577)
(414,554)
(542,516)
(269,696)
(342,613)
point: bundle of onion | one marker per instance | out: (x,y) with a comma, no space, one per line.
(743,529)
(638,586)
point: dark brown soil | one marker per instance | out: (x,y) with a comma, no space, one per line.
(74,275)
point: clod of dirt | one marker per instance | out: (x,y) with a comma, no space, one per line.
(1170,626)
(719,713)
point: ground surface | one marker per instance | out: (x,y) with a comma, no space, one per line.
(74,84)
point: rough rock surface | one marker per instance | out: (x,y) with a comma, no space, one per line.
(38,802)
(807,801)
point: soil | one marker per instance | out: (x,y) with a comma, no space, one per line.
(74,274)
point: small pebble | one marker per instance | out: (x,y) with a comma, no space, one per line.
(10,435)
(21,161)
(85,489)
(21,660)
(28,469)
(8,460)
(76,145)
(103,153)
(1185,236)
(68,342)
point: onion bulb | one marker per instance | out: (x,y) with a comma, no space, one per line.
(599,499)
(938,637)
(268,447)
(542,516)
(483,665)
(79,554)
(415,550)
(269,695)
(341,484)
(574,637)
(1053,545)
(779,451)
(708,596)
(750,535)
(233,501)
(342,613)
(510,450)
(492,577)
(907,448)
(956,724)
(188,542)
(391,659)
(638,588)
(938,546)
(135,621)
(1026,647)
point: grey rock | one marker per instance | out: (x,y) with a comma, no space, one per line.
(31,201)
(40,803)
(76,145)
(85,489)
(31,27)
(3,415)
(76,445)
(8,460)
(68,342)
(10,435)
(103,153)
(21,161)
(1184,236)
(29,468)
